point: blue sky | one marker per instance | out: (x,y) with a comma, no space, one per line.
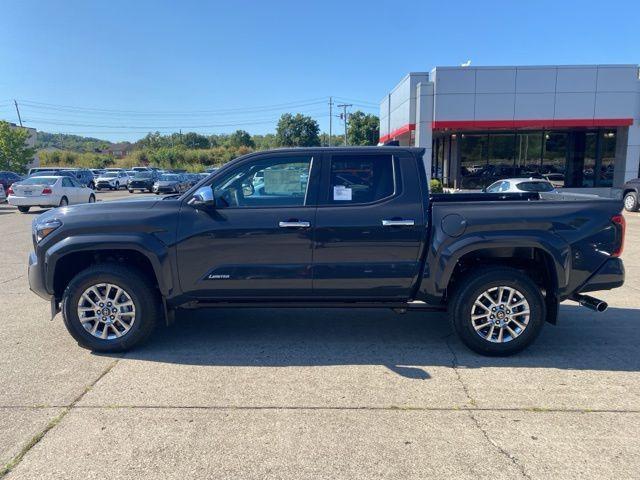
(126,67)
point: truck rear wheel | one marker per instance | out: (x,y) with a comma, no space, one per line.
(110,308)
(631,202)
(497,311)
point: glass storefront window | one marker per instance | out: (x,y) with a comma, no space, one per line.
(576,158)
(473,160)
(607,156)
(528,154)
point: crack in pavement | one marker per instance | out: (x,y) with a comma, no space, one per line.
(474,419)
(408,408)
(11,279)
(15,461)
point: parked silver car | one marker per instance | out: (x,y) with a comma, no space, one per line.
(519,185)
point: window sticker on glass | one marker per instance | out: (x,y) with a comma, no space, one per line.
(342,193)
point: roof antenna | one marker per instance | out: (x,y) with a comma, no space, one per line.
(466,64)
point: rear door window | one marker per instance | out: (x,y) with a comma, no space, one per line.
(359,179)
(535,186)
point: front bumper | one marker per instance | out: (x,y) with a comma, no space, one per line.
(164,189)
(610,275)
(105,185)
(139,185)
(36,278)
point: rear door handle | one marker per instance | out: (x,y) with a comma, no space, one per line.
(398,223)
(294,224)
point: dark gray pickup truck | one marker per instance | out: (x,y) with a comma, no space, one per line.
(348,227)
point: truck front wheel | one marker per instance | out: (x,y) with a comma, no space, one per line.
(497,311)
(110,308)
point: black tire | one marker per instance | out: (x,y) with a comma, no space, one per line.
(145,297)
(117,186)
(92,186)
(64,202)
(130,191)
(462,301)
(23,209)
(631,202)
(150,190)
(92,198)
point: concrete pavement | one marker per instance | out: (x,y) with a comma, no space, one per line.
(317,394)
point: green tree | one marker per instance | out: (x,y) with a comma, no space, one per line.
(297,131)
(363,129)
(194,140)
(240,138)
(15,155)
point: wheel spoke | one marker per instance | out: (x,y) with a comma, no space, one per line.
(478,327)
(490,333)
(511,331)
(500,334)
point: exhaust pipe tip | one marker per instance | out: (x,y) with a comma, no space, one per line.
(590,302)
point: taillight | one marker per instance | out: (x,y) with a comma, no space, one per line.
(47,191)
(621,224)
(10,191)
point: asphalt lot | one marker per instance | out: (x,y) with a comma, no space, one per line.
(321,394)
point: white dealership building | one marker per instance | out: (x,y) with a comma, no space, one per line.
(578,125)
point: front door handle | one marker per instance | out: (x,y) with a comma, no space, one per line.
(294,224)
(398,223)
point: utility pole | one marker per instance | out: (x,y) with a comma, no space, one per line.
(343,115)
(18,111)
(330,118)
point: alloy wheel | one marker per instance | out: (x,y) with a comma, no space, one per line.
(500,314)
(106,311)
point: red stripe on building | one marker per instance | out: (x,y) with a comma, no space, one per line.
(542,123)
(396,133)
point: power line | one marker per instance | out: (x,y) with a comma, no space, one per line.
(91,110)
(158,127)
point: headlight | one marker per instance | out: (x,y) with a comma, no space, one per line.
(45,228)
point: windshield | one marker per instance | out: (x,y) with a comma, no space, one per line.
(140,174)
(169,178)
(110,174)
(535,186)
(39,181)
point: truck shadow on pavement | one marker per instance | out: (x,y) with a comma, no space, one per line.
(407,344)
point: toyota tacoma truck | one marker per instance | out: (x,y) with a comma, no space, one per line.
(332,227)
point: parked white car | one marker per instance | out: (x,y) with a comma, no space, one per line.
(50,191)
(519,185)
(113,180)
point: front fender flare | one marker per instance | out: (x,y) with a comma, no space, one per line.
(148,245)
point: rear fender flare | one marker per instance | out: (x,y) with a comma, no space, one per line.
(556,248)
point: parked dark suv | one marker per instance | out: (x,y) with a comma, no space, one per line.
(142,180)
(84,176)
(8,178)
(631,194)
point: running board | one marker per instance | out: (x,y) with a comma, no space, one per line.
(399,307)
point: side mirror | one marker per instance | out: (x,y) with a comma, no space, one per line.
(203,197)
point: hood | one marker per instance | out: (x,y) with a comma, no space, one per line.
(101,209)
